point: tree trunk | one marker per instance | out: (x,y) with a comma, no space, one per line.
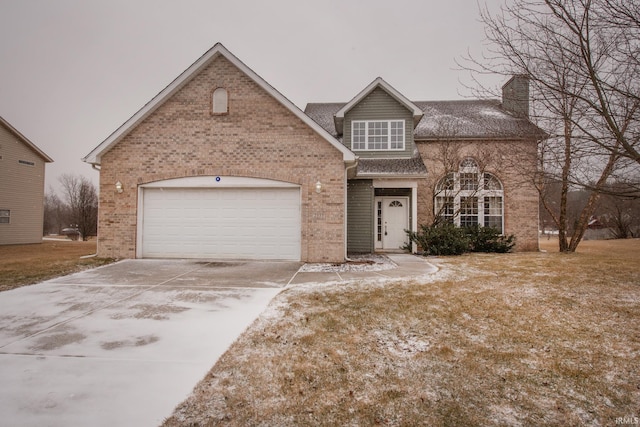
(566,168)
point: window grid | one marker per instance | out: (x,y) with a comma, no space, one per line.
(469,181)
(491,182)
(359,139)
(378,136)
(468,211)
(381,135)
(445,208)
(493,212)
(5,216)
(397,135)
(469,198)
(468,163)
(446,184)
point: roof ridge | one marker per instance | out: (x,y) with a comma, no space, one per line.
(492,100)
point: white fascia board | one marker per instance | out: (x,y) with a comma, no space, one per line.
(94,156)
(387,183)
(379,82)
(390,176)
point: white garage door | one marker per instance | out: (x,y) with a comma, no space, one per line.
(242,223)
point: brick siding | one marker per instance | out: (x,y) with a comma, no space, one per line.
(513,162)
(258,138)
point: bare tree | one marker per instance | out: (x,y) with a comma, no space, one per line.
(607,34)
(82,200)
(55,213)
(581,60)
(621,214)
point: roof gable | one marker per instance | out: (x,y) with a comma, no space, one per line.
(25,141)
(377,83)
(95,155)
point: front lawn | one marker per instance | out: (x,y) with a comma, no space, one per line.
(515,339)
(28,264)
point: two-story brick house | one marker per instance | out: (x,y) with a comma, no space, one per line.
(470,161)
(221,165)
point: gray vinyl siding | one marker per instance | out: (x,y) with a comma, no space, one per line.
(360,216)
(21,190)
(379,105)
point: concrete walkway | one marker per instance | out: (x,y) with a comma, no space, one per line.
(406,266)
(123,344)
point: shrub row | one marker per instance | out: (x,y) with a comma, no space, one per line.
(448,239)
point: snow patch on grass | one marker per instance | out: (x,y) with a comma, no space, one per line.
(369,262)
(404,344)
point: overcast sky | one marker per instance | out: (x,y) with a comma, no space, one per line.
(72,71)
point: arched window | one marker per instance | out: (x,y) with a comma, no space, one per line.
(469,197)
(220,101)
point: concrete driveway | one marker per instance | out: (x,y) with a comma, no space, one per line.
(125,343)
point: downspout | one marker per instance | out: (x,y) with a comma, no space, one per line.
(96,166)
(346,179)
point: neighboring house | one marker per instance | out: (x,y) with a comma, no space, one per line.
(221,165)
(22,166)
(597,230)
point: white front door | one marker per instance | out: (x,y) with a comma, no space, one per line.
(393,220)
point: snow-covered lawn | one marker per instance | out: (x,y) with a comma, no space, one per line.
(516,339)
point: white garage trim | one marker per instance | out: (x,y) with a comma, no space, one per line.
(219,217)
(219,182)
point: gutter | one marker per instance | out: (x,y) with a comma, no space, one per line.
(477,138)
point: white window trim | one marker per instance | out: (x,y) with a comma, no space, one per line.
(220,104)
(5,213)
(457,194)
(388,122)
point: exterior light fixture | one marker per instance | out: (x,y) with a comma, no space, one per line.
(318,187)
(119,187)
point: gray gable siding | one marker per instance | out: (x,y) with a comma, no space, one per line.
(360,216)
(379,105)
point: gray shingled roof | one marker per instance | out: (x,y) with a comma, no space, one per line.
(449,119)
(471,119)
(323,114)
(380,167)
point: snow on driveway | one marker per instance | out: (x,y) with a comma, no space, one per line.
(123,344)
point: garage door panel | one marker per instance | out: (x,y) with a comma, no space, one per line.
(252,223)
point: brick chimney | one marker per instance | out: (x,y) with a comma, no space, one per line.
(515,95)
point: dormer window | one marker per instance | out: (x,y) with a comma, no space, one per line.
(220,101)
(377,135)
